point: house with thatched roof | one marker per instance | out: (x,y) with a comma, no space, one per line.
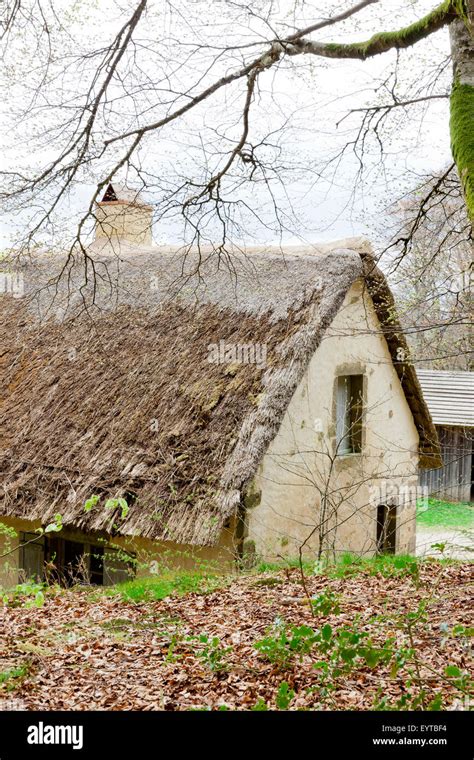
(192,405)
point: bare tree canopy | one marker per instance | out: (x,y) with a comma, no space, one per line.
(165,94)
(431,276)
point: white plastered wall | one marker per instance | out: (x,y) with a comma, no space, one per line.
(299,470)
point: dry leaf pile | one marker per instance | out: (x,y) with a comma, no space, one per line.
(86,650)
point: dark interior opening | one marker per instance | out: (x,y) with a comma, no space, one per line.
(386,529)
(61,560)
(109,194)
(96,565)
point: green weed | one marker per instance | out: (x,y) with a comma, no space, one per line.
(11,679)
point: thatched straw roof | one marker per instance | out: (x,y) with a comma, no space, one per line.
(109,390)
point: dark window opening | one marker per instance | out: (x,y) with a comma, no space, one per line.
(349,413)
(67,562)
(386,529)
(74,562)
(119,566)
(96,565)
(31,560)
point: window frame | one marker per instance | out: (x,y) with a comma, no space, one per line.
(355,429)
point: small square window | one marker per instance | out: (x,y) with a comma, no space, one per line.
(349,413)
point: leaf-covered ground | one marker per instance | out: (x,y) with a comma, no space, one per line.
(88,650)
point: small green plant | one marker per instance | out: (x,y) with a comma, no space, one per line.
(25,595)
(463,632)
(326,603)
(56,526)
(344,650)
(284,696)
(352,645)
(119,503)
(409,700)
(440,547)
(91,502)
(10,679)
(213,654)
(260,705)
(460,678)
(7,531)
(176,639)
(283,644)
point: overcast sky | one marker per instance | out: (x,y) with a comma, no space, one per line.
(302,104)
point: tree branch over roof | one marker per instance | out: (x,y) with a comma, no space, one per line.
(96,137)
(382,42)
(296,44)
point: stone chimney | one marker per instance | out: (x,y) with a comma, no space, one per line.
(122,215)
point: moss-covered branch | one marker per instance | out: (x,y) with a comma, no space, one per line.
(381,42)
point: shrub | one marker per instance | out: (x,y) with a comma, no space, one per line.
(326,603)
(283,644)
(213,653)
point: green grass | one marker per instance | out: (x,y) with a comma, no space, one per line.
(10,679)
(351,564)
(432,513)
(179,583)
(270,567)
(159,587)
(387,565)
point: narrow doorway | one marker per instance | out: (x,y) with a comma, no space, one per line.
(386,529)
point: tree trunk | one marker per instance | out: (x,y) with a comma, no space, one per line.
(462,104)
